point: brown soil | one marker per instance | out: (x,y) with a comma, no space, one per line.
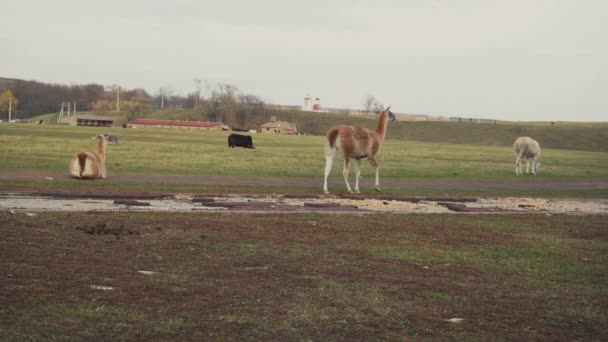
(192,276)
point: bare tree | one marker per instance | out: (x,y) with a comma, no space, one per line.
(222,103)
(165,92)
(371,104)
(249,106)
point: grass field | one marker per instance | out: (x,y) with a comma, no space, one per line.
(49,147)
(76,276)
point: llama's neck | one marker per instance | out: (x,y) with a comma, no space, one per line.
(382,125)
(101,149)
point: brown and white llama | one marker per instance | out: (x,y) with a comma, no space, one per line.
(92,165)
(356,143)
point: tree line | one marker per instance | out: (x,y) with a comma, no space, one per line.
(214,102)
(40,98)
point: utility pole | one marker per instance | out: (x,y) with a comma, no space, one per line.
(10,107)
(68,108)
(74,108)
(60,114)
(162,99)
(118,99)
(197,83)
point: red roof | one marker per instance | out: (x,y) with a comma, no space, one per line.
(173,123)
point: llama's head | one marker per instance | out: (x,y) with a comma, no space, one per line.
(390,114)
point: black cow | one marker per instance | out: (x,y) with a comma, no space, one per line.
(239,140)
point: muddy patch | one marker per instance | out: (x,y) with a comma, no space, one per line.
(289,203)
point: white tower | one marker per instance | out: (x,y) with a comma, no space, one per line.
(307,103)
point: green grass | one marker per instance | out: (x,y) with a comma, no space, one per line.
(551,256)
(75,318)
(49,147)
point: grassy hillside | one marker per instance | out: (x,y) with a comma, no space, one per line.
(565,136)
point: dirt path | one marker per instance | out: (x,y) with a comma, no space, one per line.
(528,183)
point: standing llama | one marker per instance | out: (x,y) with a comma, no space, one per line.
(92,165)
(356,143)
(528,149)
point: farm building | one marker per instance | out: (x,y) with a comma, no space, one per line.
(155,123)
(88,120)
(275,126)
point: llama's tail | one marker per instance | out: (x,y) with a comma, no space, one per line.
(82,160)
(332,136)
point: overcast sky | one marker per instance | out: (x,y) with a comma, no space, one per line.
(517,60)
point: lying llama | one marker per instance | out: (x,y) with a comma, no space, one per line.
(92,165)
(528,149)
(356,143)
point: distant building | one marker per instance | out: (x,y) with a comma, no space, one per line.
(88,120)
(310,106)
(275,126)
(155,123)
(476,120)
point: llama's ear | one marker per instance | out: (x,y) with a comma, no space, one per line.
(387,108)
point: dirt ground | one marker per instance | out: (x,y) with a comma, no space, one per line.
(136,265)
(198,276)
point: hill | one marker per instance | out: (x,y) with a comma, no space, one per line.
(558,135)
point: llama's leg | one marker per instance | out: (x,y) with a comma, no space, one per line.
(374,164)
(90,171)
(74,168)
(527,165)
(345,174)
(534,166)
(103,172)
(87,170)
(518,165)
(95,170)
(357,174)
(329,158)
